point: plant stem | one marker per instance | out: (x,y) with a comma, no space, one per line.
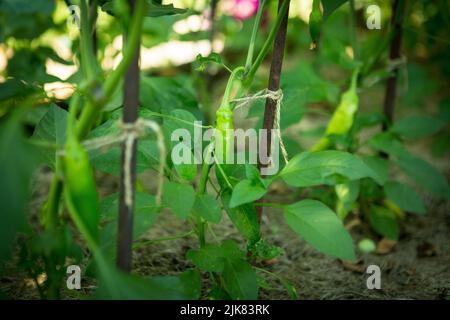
(283,9)
(229,87)
(256,24)
(88,61)
(274,85)
(398,8)
(91,109)
(353,31)
(130,114)
(200,191)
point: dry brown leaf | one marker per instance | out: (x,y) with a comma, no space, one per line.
(385,246)
(357,266)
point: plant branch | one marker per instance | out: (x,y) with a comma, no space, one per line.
(128,168)
(274,84)
(398,8)
(256,24)
(283,9)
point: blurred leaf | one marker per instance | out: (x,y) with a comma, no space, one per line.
(154,9)
(208,208)
(404,196)
(246,191)
(425,175)
(52,128)
(12,88)
(18,161)
(417,127)
(384,222)
(320,226)
(329,6)
(324,167)
(239,277)
(347,194)
(378,165)
(116,285)
(179,197)
(202,62)
(388,143)
(164,94)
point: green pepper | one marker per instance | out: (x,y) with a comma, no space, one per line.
(342,119)
(80,189)
(315,23)
(224,133)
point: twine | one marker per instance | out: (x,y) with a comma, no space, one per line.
(128,135)
(276,96)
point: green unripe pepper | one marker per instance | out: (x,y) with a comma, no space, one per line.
(315,23)
(224,133)
(80,188)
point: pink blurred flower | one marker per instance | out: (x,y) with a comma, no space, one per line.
(242,9)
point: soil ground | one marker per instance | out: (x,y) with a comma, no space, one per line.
(418,267)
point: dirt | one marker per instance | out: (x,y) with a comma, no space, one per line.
(417,267)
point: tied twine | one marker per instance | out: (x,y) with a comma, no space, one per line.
(276,96)
(128,134)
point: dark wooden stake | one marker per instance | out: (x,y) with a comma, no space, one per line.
(130,114)
(273,85)
(398,8)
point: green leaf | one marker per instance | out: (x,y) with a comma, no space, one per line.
(154,9)
(179,197)
(51,128)
(329,6)
(342,119)
(208,258)
(320,226)
(179,120)
(146,211)
(240,280)
(110,161)
(417,127)
(378,165)
(157,10)
(347,194)
(246,191)
(207,207)
(202,62)
(116,285)
(388,143)
(425,175)
(384,222)
(18,161)
(405,197)
(324,167)
(164,94)
(244,218)
(186,171)
(239,277)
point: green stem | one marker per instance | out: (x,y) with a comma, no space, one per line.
(200,191)
(256,24)
(88,61)
(92,109)
(269,204)
(266,47)
(353,30)
(226,96)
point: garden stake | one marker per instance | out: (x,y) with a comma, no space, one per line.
(274,85)
(398,8)
(128,169)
